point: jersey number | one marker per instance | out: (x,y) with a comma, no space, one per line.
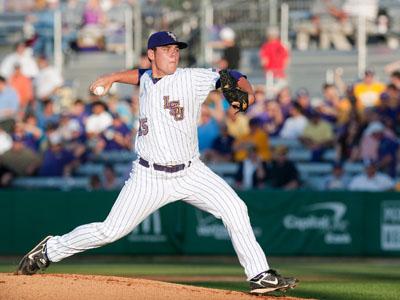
(143,127)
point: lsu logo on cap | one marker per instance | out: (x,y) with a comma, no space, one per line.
(173,36)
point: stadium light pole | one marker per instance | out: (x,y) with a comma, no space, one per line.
(273,13)
(285,24)
(129,55)
(361,45)
(206,24)
(58,55)
(137,11)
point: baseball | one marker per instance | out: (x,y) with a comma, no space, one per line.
(99,90)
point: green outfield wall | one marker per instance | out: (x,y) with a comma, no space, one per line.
(285,223)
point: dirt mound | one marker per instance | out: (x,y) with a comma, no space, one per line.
(91,287)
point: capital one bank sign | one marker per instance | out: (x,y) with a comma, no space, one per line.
(327,218)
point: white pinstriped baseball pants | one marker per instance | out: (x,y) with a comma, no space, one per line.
(146,191)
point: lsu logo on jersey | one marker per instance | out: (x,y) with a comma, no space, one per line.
(174,109)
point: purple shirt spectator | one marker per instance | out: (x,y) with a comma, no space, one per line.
(54,162)
(108,136)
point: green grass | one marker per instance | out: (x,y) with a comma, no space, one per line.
(320,279)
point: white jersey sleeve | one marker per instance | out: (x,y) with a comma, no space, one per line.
(204,81)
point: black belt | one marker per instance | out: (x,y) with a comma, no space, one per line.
(168,169)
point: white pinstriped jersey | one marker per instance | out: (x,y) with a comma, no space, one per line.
(169,110)
(168,113)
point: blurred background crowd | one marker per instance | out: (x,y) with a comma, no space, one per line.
(340,133)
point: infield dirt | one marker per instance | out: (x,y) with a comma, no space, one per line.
(91,287)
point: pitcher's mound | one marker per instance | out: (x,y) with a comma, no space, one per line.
(90,287)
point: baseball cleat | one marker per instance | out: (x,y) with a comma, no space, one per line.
(270,281)
(35,260)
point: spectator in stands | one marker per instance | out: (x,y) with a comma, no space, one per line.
(47,116)
(24,88)
(116,137)
(72,134)
(284,99)
(78,113)
(256,138)
(337,180)
(274,58)
(281,172)
(380,144)
(348,139)
(230,51)
(99,120)
(5,141)
(120,107)
(274,119)
(9,103)
(317,136)
(334,109)
(371,180)
(251,171)
(114,29)
(303,98)
(258,107)
(110,179)
(237,124)
(20,160)
(91,35)
(43,22)
(294,126)
(29,134)
(395,78)
(57,161)
(94,183)
(387,110)
(368,90)
(72,12)
(368,9)
(221,148)
(22,56)
(6,177)
(329,23)
(212,114)
(208,128)
(48,80)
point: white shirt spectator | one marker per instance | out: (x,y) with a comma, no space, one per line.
(376,183)
(5,141)
(26,60)
(98,123)
(47,81)
(293,127)
(366,8)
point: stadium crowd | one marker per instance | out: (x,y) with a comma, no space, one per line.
(46,132)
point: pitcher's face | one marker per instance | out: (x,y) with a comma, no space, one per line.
(164,60)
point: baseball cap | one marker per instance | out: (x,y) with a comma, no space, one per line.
(374,127)
(227,34)
(369,72)
(302,92)
(164,38)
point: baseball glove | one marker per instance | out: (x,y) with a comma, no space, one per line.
(236,97)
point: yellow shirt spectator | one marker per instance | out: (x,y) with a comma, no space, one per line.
(256,138)
(368,91)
